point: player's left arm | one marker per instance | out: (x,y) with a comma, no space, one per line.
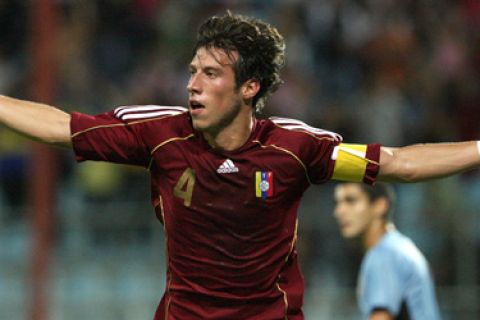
(427,161)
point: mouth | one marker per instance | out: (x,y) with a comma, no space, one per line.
(343,225)
(195,105)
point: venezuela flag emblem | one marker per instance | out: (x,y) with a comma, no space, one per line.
(263,184)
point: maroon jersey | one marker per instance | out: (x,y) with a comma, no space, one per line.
(230,217)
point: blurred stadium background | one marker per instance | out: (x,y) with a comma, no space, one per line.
(389,71)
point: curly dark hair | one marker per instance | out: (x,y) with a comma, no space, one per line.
(381,190)
(260,46)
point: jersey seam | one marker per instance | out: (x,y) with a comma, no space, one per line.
(160,205)
(292,246)
(306,132)
(169,275)
(294,240)
(285,299)
(111,125)
(161,144)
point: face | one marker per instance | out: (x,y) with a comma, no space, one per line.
(214,99)
(353,210)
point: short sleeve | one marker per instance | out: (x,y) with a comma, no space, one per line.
(380,284)
(330,158)
(318,158)
(104,137)
(312,147)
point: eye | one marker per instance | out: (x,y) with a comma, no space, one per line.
(211,74)
(350,200)
(191,71)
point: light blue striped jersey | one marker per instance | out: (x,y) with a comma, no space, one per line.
(394,272)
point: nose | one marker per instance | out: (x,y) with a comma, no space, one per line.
(193,85)
(337,211)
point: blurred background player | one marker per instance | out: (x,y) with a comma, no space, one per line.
(394,280)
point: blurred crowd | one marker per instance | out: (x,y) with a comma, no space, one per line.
(394,72)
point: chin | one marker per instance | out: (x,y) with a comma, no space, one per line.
(198,126)
(349,234)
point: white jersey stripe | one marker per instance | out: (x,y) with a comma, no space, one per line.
(286,120)
(297,125)
(135,109)
(146,111)
(148,115)
(306,127)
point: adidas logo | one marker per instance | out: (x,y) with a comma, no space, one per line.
(227,167)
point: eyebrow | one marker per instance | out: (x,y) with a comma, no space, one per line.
(205,69)
(348,198)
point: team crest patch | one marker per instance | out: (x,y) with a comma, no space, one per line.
(263,184)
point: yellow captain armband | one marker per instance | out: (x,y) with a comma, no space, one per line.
(350,162)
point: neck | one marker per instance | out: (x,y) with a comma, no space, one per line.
(371,237)
(233,135)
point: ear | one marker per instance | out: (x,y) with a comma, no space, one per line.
(250,88)
(380,207)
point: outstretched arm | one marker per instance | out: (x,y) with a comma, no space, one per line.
(38,121)
(427,161)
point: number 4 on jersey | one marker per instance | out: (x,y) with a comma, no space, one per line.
(184,187)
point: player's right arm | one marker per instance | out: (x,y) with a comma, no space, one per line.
(37,121)
(380,315)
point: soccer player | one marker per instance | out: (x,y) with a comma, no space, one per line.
(394,280)
(226,185)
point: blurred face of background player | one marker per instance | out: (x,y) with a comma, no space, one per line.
(216,103)
(358,217)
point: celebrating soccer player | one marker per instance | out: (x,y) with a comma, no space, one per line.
(226,185)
